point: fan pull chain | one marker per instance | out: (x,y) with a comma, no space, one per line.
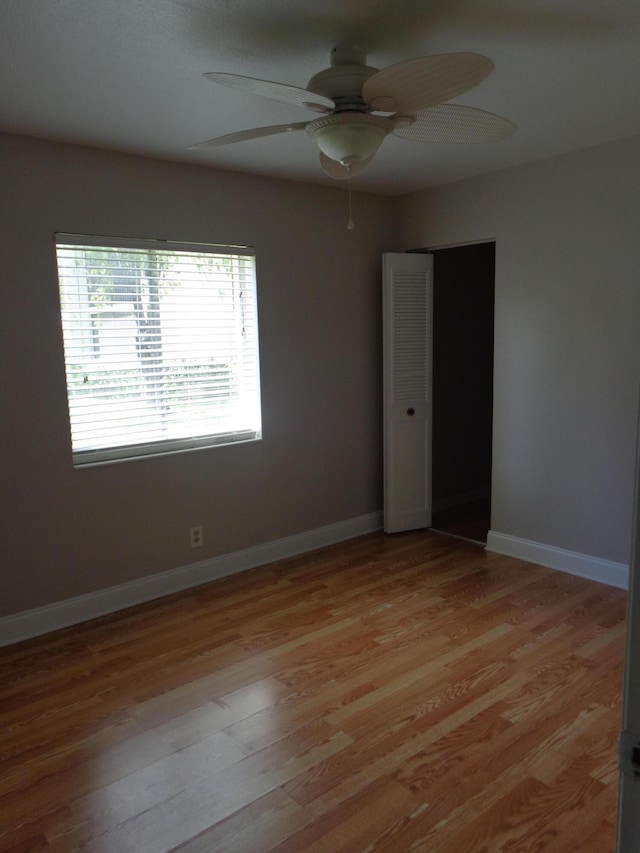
(350,223)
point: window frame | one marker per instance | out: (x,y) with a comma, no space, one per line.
(156,448)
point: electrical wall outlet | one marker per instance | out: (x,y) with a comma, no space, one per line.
(196,536)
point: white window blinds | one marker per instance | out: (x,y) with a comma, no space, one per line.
(160,344)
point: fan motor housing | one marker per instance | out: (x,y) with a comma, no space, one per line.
(343,84)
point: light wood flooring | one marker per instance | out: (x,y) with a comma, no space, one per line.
(393,693)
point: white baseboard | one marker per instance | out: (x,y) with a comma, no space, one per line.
(582,565)
(61,614)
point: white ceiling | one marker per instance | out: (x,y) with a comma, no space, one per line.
(127,75)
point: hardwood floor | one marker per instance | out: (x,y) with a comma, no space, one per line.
(392,693)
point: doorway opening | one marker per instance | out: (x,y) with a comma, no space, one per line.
(463,341)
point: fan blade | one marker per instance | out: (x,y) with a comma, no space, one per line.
(419,83)
(456,123)
(276,91)
(338,171)
(252,133)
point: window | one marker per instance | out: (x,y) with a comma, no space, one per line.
(160,345)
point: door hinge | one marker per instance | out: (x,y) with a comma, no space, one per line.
(629,753)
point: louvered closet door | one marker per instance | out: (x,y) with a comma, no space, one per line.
(407,329)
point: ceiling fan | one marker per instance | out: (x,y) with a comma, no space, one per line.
(360,105)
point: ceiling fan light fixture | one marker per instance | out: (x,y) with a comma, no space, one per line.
(349,138)
(360,105)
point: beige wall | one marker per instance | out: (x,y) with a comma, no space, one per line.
(67,532)
(566,368)
(567,337)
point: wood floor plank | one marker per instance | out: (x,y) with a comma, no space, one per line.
(522,816)
(392,693)
(261,825)
(356,823)
(468,793)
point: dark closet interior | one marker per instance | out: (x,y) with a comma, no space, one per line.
(463,310)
